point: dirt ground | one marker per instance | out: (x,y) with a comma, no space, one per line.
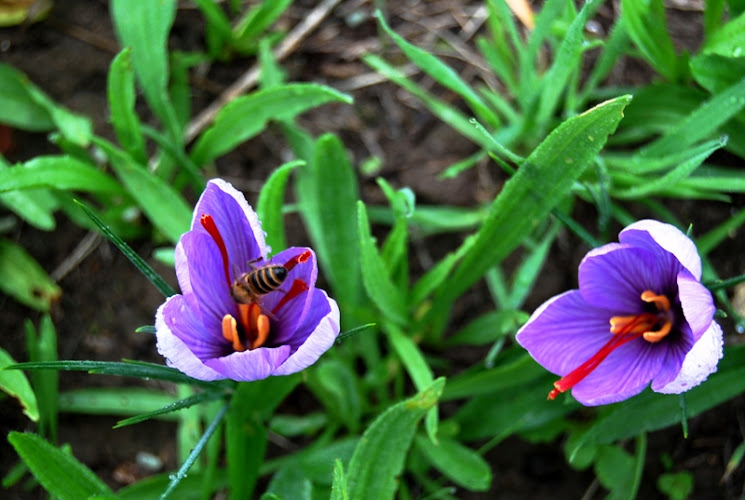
(105,299)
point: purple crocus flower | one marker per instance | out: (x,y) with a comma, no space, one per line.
(640,315)
(242,316)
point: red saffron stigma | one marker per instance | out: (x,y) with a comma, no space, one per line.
(298,287)
(208,224)
(298,259)
(624,330)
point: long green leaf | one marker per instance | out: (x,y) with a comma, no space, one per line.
(444,111)
(645,22)
(728,40)
(443,74)
(246,440)
(121,96)
(57,172)
(58,472)
(163,205)
(42,347)
(270,203)
(684,169)
(24,279)
(389,299)
(339,489)
(541,182)
(379,457)
(462,465)
(336,193)
(507,375)
(24,105)
(702,122)
(122,369)
(15,384)
(35,206)
(565,63)
(248,115)
(17,108)
(143,27)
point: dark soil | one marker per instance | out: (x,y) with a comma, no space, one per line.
(105,299)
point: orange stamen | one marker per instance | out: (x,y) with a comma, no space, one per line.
(230,332)
(624,330)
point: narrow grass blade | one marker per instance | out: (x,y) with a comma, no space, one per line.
(175,406)
(700,123)
(648,187)
(139,263)
(443,74)
(181,473)
(122,369)
(645,22)
(42,347)
(566,62)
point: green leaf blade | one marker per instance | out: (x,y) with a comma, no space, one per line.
(144,27)
(60,473)
(15,384)
(380,454)
(541,182)
(248,115)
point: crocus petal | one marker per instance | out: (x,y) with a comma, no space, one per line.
(250,365)
(614,276)
(319,341)
(182,275)
(237,222)
(209,286)
(700,362)
(169,345)
(624,373)
(697,303)
(652,233)
(676,353)
(289,316)
(564,332)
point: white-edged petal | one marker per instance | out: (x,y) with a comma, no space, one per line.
(700,362)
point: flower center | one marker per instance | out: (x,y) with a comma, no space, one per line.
(252,327)
(651,326)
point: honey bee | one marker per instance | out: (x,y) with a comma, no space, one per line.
(250,286)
